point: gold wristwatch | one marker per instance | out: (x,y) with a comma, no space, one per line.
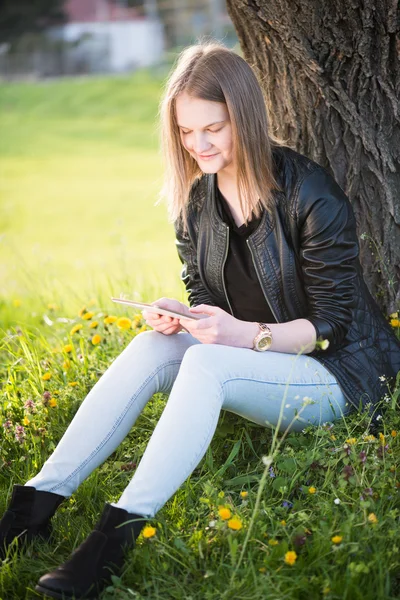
(263,339)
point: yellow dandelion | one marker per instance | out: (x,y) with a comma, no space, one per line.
(283,523)
(244,494)
(337,539)
(68,348)
(82,311)
(96,339)
(393,433)
(273,542)
(53,403)
(394,315)
(142,328)
(351,441)
(149,531)
(110,320)
(76,328)
(290,557)
(73,383)
(26,421)
(224,513)
(312,490)
(372,518)
(17,302)
(124,323)
(369,438)
(46,376)
(235,523)
(382,438)
(395,322)
(93,324)
(87,316)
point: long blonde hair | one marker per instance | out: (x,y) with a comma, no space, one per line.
(210,71)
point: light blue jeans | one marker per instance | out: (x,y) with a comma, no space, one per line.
(202,379)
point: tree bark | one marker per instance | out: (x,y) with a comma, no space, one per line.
(331,77)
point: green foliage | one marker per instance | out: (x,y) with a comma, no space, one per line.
(28,16)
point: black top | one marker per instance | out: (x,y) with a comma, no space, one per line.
(242,285)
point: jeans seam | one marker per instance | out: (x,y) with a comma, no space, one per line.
(277,382)
(116,424)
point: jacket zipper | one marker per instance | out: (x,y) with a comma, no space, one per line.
(223,267)
(259,280)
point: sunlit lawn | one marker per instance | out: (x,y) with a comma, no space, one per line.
(80,174)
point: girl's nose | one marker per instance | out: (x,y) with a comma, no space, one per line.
(201,145)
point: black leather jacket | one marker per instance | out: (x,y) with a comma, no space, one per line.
(306,259)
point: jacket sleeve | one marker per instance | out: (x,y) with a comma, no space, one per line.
(197,294)
(329,255)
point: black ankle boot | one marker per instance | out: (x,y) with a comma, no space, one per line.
(91,565)
(28,516)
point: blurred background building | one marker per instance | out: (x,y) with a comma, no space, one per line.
(69,37)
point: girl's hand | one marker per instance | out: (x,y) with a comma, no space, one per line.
(220,328)
(162,323)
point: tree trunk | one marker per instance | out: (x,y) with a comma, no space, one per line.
(331,77)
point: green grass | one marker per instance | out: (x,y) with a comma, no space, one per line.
(80,173)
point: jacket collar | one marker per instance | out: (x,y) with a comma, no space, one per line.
(258,236)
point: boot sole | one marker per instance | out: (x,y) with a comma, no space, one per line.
(58,596)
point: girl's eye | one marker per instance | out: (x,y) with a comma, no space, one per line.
(215,131)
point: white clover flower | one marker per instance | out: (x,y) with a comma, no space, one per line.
(212,523)
(267,460)
(379,417)
(307,400)
(337,501)
(382,378)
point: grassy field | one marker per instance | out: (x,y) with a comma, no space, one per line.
(317,513)
(80,173)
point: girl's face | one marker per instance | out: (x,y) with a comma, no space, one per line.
(206,133)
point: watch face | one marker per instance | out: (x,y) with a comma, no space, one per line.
(264,343)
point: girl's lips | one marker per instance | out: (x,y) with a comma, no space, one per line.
(207,157)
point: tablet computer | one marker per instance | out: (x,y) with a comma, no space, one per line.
(157,309)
